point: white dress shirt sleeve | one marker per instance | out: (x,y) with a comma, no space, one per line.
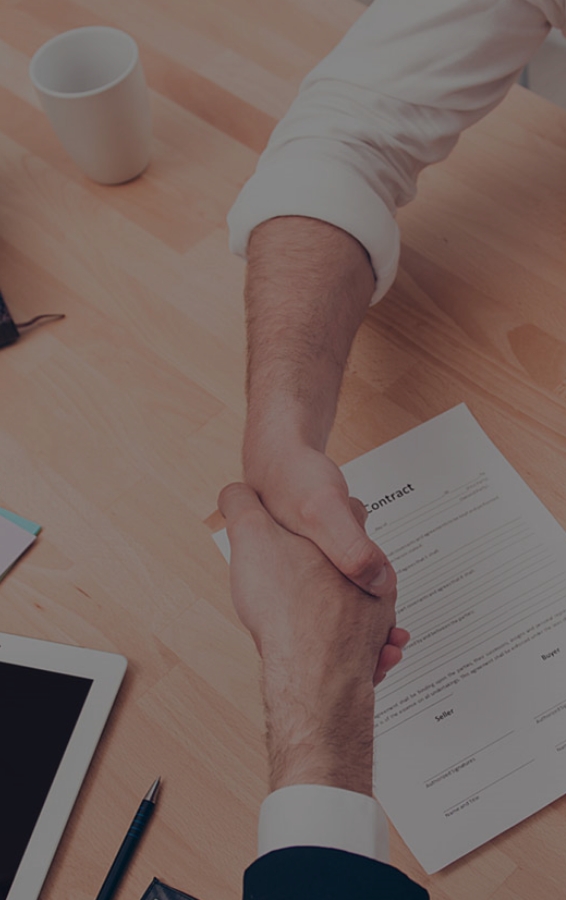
(314,815)
(390,99)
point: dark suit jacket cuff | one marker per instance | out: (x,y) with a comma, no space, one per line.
(320,872)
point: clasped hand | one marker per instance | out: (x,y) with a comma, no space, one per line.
(300,610)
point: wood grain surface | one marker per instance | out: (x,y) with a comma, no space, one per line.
(120,424)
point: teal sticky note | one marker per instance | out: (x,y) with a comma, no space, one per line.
(26,524)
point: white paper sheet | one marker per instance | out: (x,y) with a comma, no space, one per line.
(471,727)
(13,542)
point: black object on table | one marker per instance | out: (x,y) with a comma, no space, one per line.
(129,844)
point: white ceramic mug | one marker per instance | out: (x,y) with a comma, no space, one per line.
(92,88)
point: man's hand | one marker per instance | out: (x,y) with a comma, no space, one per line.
(277,571)
(306,493)
(319,637)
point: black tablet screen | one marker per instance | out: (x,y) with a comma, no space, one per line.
(38,712)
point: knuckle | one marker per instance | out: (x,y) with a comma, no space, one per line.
(229,490)
(359,510)
(362,557)
(392,580)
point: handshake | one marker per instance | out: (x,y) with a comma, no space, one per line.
(318,597)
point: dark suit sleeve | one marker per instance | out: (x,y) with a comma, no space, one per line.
(319,873)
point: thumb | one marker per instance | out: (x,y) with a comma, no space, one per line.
(336,528)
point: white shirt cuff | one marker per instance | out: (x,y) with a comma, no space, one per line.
(319,190)
(315,815)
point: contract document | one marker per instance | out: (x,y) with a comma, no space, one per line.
(470,728)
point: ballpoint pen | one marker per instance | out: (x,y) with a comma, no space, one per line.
(129,844)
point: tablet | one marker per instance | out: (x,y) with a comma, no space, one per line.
(54,702)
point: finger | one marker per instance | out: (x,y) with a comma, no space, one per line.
(359,511)
(391,653)
(333,526)
(399,637)
(237,499)
(389,657)
(250,528)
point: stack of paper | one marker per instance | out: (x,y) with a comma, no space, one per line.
(16,535)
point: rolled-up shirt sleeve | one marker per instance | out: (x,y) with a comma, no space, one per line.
(391,98)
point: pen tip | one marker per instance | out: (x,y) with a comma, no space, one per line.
(152,793)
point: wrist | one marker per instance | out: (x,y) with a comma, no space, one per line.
(280,419)
(271,448)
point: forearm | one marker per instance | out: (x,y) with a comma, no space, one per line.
(308,288)
(320,735)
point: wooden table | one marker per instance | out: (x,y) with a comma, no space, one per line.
(120,424)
